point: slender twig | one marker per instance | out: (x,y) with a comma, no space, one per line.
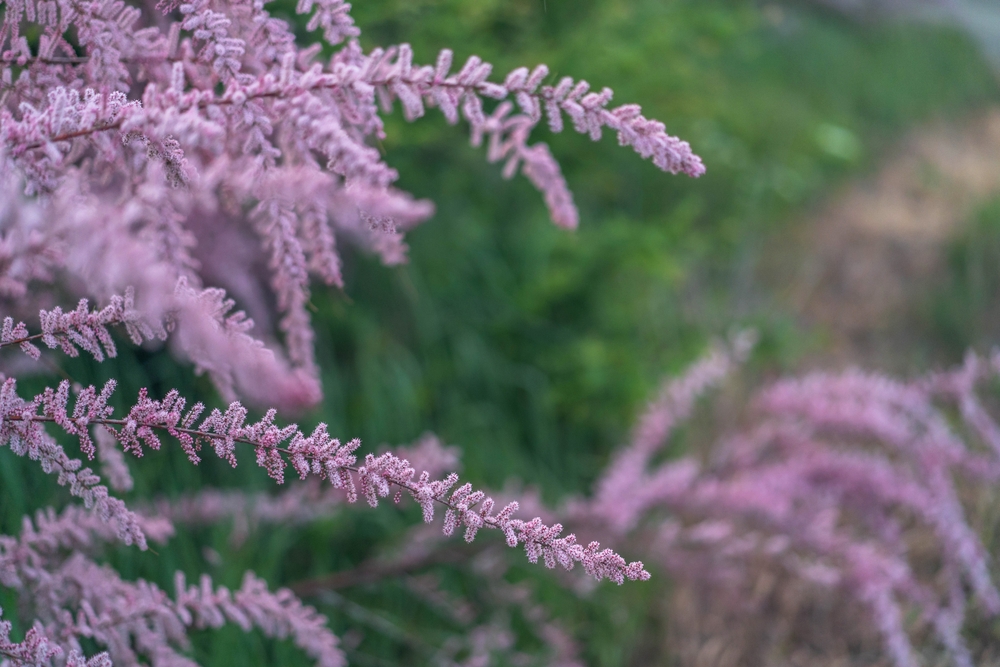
(374,572)
(497,522)
(203,104)
(18,341)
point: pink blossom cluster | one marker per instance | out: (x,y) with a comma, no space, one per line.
(36,649)
(317,454)
(195,143)
(26,436)
(85,599)
(174,161)
(73,598)
(827,479)
(83,328)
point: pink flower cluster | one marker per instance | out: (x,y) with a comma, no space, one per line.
(26,436)
(317,455)
(83,329)
(36,649)
(74,597)
(174,161)
(824,478)
(196,142)
(295,504)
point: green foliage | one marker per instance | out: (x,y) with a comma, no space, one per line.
(964,311)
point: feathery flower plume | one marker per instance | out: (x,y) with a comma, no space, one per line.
(318,455)
(83,329)
(36,649)
(24,434)
(298,503)
(151,144)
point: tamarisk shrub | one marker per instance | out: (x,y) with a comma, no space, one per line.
(829,478)
(196,142)
(169,161)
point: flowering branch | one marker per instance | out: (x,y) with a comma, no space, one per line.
(112,108)
(36,649)
(28,439)
(198,154)
(83,328)
(293,505)
(317,454)
(391,74)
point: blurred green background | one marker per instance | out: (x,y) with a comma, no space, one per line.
(532,348)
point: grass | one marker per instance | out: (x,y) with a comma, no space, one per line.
(961,312)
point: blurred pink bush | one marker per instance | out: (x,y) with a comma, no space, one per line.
(825,476)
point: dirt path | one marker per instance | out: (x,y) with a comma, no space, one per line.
(857,268)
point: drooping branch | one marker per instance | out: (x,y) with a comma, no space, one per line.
(317,454)
(392,75)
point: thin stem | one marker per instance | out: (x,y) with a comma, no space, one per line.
(202,104)
(9,652)
(73,135)
(19,341)
(374,572)
(79,60)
